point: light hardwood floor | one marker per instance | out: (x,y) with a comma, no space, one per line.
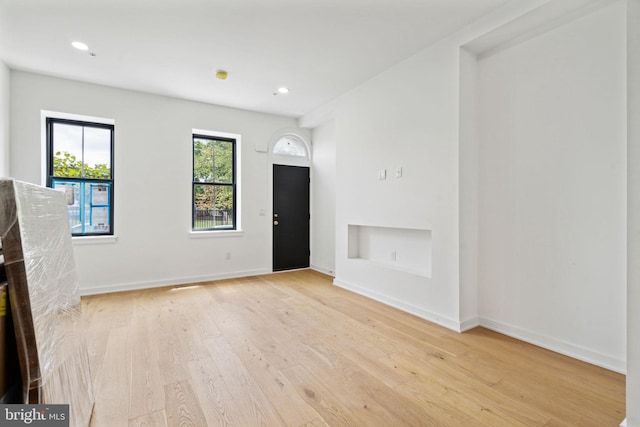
(290,349)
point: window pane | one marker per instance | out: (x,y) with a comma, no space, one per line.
(80,165)
(72,193)
(88,205)
(290,147)
(213,183)
(96,212)
(213,206)
(67,150)
(97,153)
(203,160)
(224,205)
(223,158)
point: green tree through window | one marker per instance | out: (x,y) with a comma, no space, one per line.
(67,165)
(80,164)
(213,183)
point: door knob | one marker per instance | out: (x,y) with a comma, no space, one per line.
(275,223)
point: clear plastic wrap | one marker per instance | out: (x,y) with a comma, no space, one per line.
(45,302)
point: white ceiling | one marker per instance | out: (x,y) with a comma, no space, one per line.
(318,48)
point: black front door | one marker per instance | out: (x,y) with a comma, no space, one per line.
(290,217)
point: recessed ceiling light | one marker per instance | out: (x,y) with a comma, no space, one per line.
(80,46)
(283,90)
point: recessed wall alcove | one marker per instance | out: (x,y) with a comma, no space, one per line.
(404,249)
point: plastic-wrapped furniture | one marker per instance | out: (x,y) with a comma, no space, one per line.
(10,382)
(45,303)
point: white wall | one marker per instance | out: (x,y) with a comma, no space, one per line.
(323,191)
(407,117)
(468,192)
(554,197)
(552,189)
(633,217)
(152,182)
(5,78)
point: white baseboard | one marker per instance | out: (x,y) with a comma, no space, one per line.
(468,324)
(623,423)
(540,340)
(401,305)
(171,282)
(323,270)
(556,345)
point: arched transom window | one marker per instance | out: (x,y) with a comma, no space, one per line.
(290,150)
(290,146)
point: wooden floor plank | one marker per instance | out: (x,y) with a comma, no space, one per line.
(182,406)
(154,419)
(112,390)
(318,422)
(360,388)
(320,394)
(217,402)
(147,391)
(288,403)
(468,396)
(259,410)
(291,349)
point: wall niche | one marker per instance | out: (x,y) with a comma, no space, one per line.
(404,249)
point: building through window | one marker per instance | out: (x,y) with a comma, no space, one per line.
(80,164)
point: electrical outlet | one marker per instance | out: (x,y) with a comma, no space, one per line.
(227,255)
(393,255)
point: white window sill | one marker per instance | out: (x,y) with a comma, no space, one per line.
(206,234)
(94,240)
